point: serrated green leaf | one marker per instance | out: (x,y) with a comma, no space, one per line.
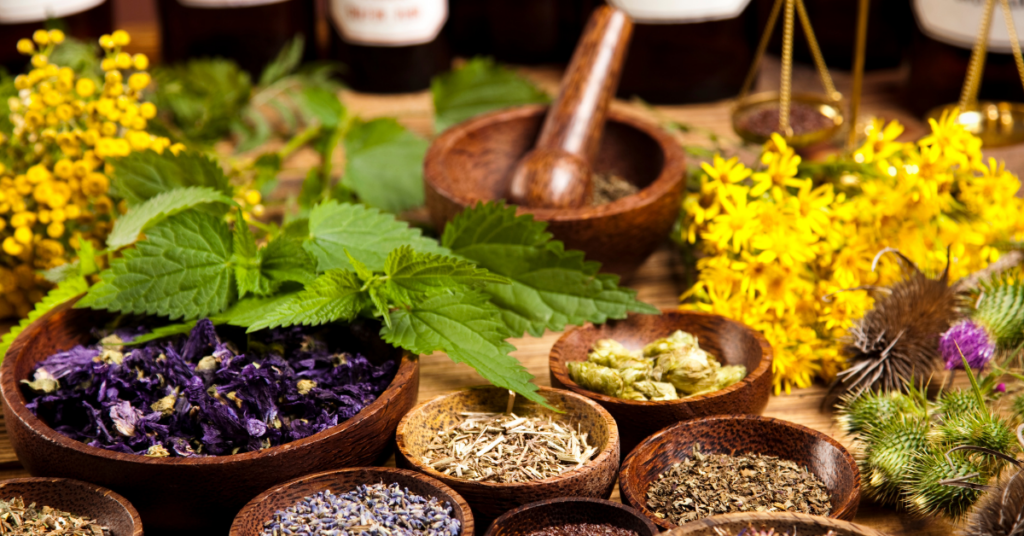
(285,62)
(335,295)
(204,97)
(283,259)
(384,164)
(128,227)
(145,174)
(182,270)
(67,289)
(248,311)
(324,105)
(469,329)
(409,273)
(551,288)
(366,233)
(479,86)
(248,275)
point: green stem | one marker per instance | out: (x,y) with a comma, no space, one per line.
(344,122)
(300,139)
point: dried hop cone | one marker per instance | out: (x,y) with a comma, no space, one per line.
(888,448)
(929,495)
(1001,512)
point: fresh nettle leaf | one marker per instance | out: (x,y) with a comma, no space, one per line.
(283,259)
(248,276)
(384,164)
(335,295)
(411,274)
(286,61)
(67,289)
(550,287)
(479,86)
(145,174)
(324,105)
(204,96)
(127,228)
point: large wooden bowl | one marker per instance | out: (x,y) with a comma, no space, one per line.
(184,495)
(565,510)
(730,342)
(488,499)
(250,520)
(783,523)
(77,498)
(473,161)
(736,435)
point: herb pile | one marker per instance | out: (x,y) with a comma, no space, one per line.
(198,395)
(583,529)
(16,519)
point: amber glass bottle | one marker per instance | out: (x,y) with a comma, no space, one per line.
(389,46)
(251,32)
(688,55)
(518,31)
(82,19)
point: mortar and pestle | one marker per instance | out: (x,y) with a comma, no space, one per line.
(543,159)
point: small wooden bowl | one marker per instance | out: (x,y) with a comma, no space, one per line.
(737,435)
(249,522)
(488,499)
(805,525)
(730,342)
(566,510)
(473,161)
(77,498)
(185,495)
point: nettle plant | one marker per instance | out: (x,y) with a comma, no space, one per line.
(185,252)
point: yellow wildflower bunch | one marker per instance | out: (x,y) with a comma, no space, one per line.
(53,178)
(788,254)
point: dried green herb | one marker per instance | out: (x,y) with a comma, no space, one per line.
(711,484)
(17,519)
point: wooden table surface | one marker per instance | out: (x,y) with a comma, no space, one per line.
(658,280)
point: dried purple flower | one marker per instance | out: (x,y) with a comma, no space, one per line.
(972,339)
(197,395)
(1001,388)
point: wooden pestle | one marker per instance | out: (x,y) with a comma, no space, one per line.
(556,173)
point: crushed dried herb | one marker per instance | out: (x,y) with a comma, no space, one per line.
(502,447)
(710,484)
(609,188)
(751,531)
(803,119)
(583,529)
(16,519)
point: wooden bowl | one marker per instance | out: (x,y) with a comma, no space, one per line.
(730,342)
(177,495)
(805,525)
(488,499)
(77,498)
(736,435)
(250,520)
(473,162)
(566,510)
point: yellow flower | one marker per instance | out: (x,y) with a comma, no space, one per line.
(41,37)
(107,42)
(95,184)
(85,87)
(141,62)
(55,230)
(25,46)
(123,60)
(138,81)
(23,235)
(56,37)
(11,247)
(738,221)
(253,197)
(121,38)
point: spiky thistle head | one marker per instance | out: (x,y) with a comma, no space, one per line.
(969,339)
(855,414)
(1017,407)
(955,403)
(984,430)
(888,448)
(1000,308)
(928,492)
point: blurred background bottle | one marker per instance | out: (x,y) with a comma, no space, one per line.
(82,19)
(251,32)
(389,46)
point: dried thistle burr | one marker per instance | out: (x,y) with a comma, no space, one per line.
(1001,512)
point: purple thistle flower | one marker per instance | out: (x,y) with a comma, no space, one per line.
(972,339)
(1001,388)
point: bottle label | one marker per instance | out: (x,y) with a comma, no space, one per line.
(389,23)
(25,11)
(957,22)
(680,11)
(228,4)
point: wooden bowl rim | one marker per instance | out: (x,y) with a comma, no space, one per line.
(557,365)
(672,172)
(11,394)
(86,487)
(603,457)
(625,508)
(793,429)
(459,501)
(828,522)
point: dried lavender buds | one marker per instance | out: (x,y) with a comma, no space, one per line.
(711,484)
(196,395)
(376,510)
(583,529)
(16,519)
(506,448)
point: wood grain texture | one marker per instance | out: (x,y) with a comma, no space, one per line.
(77,498)
(490,499)
(565,510)
(802,524)
(736,435)
(186,494)
(730,342)
(473,162)
(261,509)
(556,172)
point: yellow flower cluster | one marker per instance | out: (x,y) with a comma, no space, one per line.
(53,177)
(785,253)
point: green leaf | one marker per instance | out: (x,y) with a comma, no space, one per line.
(384,164)
(164,331)
(283,259)
(335,295)
(248,276)
(145,174)
(551,287)
(411,273)
(248,311)
(67,289)
(128,227)
(204,97)
(477,87)
(285,63)
(469,329)
(182,270)
(365,233)
(312,189)
(324,105)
